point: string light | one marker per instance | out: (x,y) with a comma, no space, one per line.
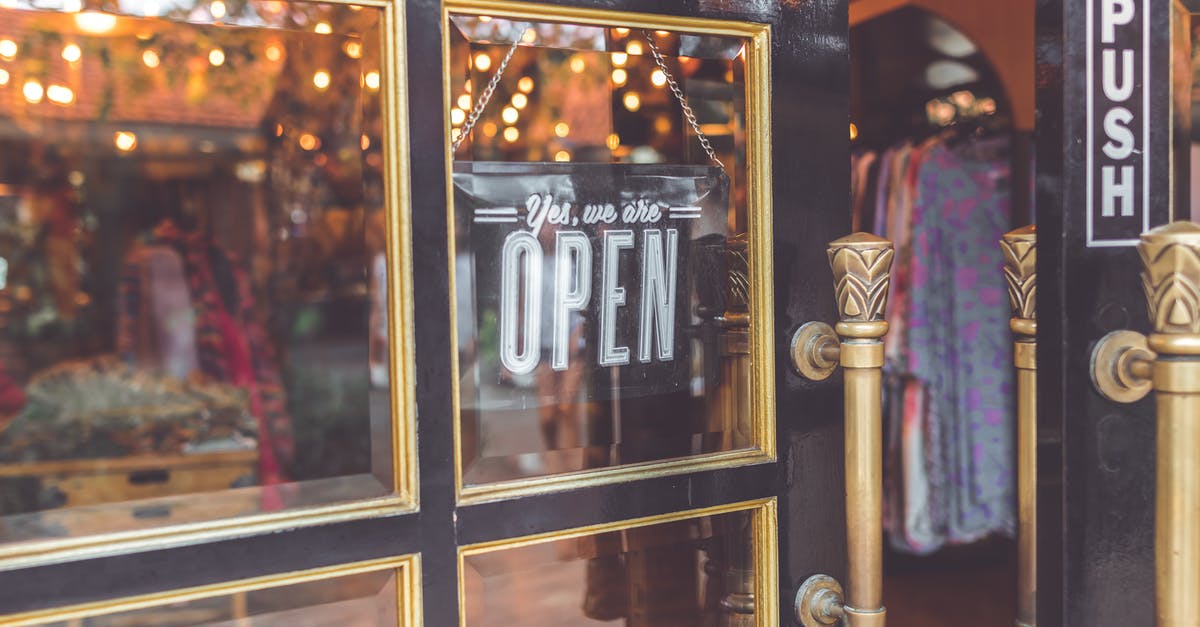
(72,6)
(217,9)
(372,80)
(455,133)
(853,131)
(632,101)
(511,134)
(365,142)
(150,58)
(562,129)
(619,77)
(8,49)
(321,80)
(509,115)
(60,94)
(125,141)
(612,141)
(323,28)
(634,48)
(562,155)
(529,36)
(33,91)
(483,62)
(464,101)
(308,141)
(619,58)
(150,8)
(578,65)
(216,57)
(4,77)
(658,78)
(519,100)
(353,49)
(525,85)
(622,31)
(95,22)
(274,53)
(457,116)
(71,53)
(490,129)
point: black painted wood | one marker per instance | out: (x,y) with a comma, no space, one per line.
(1096,458)
(810,74)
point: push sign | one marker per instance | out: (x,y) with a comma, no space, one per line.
(1118,135)
(586,266)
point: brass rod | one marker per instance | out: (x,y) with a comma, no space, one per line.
(1177,510)
(1027,497)
(1141,368)
(864,487)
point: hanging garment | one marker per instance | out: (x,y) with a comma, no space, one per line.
(956,337)
(230,344)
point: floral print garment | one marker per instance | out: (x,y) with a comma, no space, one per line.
(957,341)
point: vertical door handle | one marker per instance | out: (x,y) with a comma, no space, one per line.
(1125,366)
(862,266)
(1020,270)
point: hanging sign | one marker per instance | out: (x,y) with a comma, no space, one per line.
(587,266)
(1118,133)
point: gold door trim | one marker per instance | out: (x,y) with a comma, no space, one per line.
(401,359)
(765,536)
(408,590)
(758,159)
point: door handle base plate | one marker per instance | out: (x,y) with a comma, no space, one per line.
(819,601)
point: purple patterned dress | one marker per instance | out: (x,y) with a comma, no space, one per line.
(958,342)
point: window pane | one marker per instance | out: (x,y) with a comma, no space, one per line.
(602,256)
(191,264)
(368,599)
(698,571)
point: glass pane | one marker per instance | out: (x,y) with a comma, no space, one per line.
(192,255)
(601,255)
(366,599)
(693,572)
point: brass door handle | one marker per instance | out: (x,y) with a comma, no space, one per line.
(862,266)
(1125,366)
(1020,271)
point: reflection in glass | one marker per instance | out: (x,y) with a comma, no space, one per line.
(592,117)
(698,572)
(367,599)
(191,265)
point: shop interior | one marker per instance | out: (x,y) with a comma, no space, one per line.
(942,114)
(191,264)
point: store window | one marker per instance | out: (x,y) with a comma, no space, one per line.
(609,215)
(194,226)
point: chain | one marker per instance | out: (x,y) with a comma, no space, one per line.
(683,103)
(485,96)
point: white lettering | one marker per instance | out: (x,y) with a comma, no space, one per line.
(1120,138)
(1110,190)
(658,294)
(572,289)
(1108,67)
(520,258)
(1114,13)
(612,296)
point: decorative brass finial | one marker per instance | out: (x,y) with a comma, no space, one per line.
(1020,270)
(1171,277)
(862,265)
